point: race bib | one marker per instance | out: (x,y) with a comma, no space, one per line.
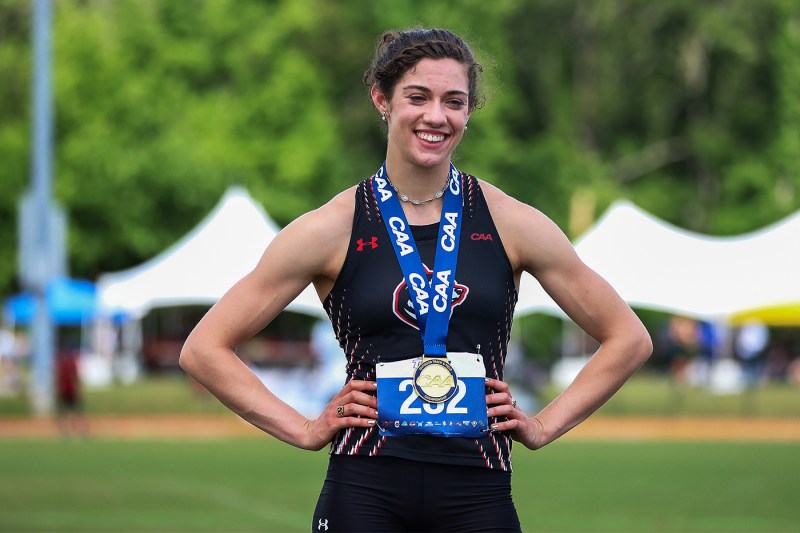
(440,397)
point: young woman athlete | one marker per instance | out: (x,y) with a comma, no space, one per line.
(418,268)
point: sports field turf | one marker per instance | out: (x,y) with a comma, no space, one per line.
(259,484)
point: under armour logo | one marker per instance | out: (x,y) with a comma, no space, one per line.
(372,243)
(322,524)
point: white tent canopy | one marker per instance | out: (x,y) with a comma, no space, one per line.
(651,263)
(655,265)
(203,265)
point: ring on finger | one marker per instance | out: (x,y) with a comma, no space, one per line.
(514,404)
(340,410)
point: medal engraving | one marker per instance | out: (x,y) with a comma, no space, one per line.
(435,381)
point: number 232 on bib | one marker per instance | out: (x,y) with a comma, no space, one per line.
(440,397)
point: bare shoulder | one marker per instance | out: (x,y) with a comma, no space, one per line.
(503,205)
(317,241)
(529,236)
(328,221)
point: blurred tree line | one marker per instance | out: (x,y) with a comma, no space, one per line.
(689,109)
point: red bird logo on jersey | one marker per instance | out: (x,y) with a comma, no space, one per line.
(403,307)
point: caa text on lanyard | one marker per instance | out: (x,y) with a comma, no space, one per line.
(438,378)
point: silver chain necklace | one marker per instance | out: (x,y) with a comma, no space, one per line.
(404,198)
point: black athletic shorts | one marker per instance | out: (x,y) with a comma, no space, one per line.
(377,494)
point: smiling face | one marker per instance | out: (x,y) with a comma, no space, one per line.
(426,113)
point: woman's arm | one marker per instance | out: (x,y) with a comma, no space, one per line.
(309,250)
(536,245)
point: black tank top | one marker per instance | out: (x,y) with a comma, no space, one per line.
(373,318)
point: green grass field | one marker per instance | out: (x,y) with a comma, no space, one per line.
(643,395)
(259,484)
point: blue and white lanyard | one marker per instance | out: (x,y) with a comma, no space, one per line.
(431,299)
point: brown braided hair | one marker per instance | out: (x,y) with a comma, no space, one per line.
(397,52)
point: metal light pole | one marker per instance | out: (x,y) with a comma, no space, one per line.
(41,222)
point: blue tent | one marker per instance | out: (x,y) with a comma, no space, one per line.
(69,301)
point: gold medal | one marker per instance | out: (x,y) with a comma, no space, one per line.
(434,380)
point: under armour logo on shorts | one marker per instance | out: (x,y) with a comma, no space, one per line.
(322,524)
